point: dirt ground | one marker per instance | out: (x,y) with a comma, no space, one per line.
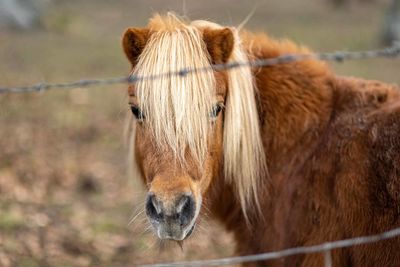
(65,196)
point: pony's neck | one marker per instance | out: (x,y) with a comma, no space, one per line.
(295,102)
(294,105)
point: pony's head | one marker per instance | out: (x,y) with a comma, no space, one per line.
(195,128)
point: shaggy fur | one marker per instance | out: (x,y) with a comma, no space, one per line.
(332,146)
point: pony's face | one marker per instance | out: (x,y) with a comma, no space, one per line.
(179,121)
(176,189)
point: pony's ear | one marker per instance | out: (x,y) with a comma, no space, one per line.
(219,44)
(133,42)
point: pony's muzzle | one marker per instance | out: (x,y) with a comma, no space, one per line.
(172,219)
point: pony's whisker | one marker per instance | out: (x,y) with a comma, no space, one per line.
(136,216)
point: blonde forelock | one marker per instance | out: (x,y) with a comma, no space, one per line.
(176,107)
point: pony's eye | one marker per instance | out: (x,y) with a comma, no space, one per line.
(216,110)
(137,112)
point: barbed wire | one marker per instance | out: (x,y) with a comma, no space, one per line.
(324,248)
(340,56)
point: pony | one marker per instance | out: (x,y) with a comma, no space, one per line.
(283,156)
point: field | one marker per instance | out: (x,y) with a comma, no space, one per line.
(65,195)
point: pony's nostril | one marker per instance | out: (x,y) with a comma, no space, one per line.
(185,209)
(181,212)
(153,209)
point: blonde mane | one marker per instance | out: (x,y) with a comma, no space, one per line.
(244,157)
(177,108)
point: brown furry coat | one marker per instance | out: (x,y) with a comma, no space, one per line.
(333,152)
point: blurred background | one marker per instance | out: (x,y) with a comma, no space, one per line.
(65,195)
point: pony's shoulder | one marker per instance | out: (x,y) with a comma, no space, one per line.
(365,127)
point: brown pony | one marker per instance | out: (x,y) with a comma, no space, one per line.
(331,144)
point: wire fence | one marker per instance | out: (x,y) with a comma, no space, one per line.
(325,248)
(340,56)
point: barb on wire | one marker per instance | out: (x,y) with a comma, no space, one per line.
(324,247)
(389,52)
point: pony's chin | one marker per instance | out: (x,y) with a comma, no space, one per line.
(176,237)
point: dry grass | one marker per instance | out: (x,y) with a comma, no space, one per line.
(65,199)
